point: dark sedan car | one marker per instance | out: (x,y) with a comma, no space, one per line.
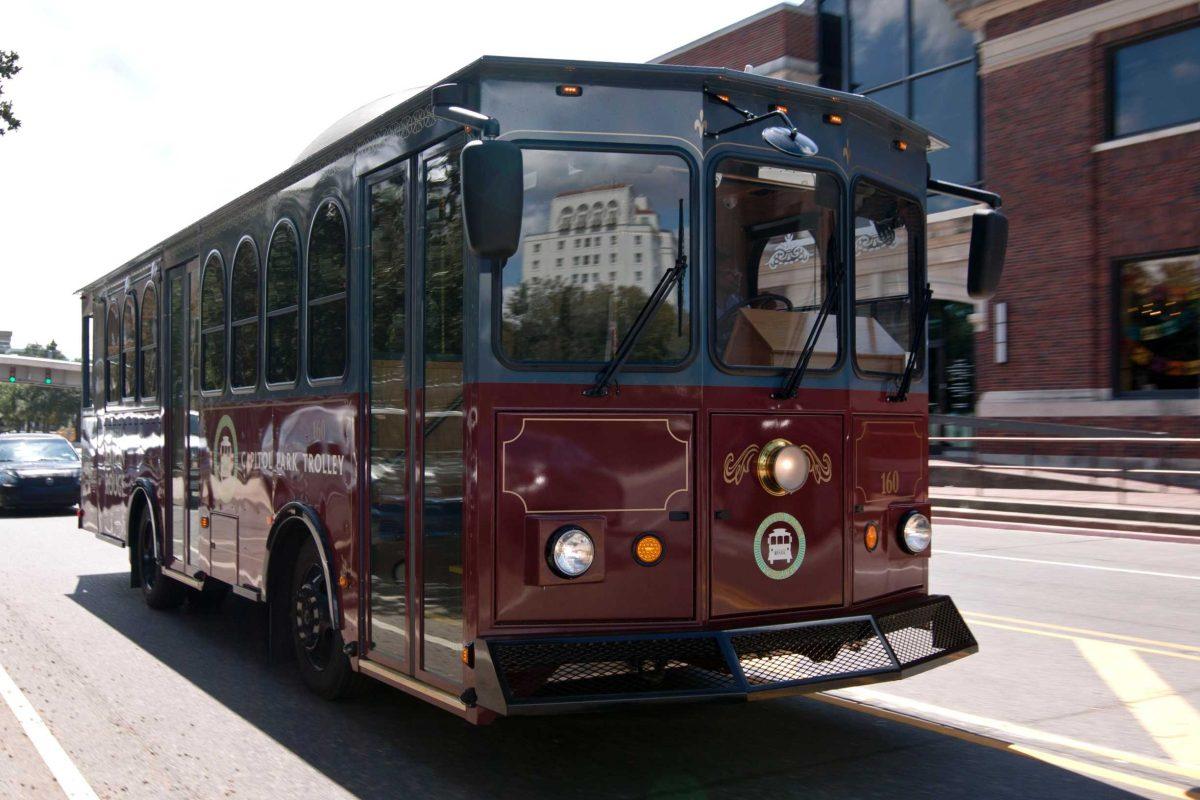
(37,470)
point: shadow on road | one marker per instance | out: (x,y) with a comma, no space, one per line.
(383,743)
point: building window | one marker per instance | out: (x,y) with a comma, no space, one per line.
(327,293)
(1158,324)
(537,248)
(148,363)
(637,258)
(536,263)
(558,262)
(243,331)
(1155,83)
(561,243)
(129,349)
(212,325)
(283,304)
(914,58)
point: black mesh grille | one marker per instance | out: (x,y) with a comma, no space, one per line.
(925,631)
(812,652)
(641,666)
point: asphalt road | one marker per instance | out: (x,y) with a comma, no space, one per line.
(1085,687)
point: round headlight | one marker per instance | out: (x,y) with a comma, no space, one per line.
(915,532)
(782,467)
(570,552)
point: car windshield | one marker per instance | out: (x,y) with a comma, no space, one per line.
(37,450)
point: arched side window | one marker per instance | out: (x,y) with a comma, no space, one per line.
(148,363)
(611,213)
(581,218)
(212,325)
(129,348)
(112,366)
(97,354)
(327,275)
(283,304)
(597,216)
(243,330)
(564,221)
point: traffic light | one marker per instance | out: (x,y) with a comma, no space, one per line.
(48,379)
(12,374)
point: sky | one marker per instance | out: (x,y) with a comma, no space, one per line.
(139,118)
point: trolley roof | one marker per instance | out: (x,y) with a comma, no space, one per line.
(365,122)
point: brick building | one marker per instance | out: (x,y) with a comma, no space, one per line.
(1085,116)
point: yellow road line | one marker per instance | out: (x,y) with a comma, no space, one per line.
(1104,773)
(1168,718)
(1072,638)
(1085,631)
(918,710)
(1073,765)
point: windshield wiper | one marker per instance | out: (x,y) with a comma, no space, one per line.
(671,276)
(918,339)
(792,384)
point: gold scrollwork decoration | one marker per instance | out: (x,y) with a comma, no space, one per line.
(820,468)
(736,468)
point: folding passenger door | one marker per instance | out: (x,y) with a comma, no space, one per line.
(183,553)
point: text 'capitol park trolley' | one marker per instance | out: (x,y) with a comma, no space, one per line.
(566,385)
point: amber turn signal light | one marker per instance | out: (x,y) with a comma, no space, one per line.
(871,536)
(900,145)
(648,550)
(569,90)
(834,119)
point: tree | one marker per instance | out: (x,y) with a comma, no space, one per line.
(8,68)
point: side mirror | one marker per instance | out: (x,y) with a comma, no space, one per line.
(493,194)
(985,263)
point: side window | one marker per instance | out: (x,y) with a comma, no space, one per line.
(129,348)
(97,353)
(283,305)
(212,325)
(888,231)
(148,364)
(112,366)
(327,293)
(85,362)
(243,331)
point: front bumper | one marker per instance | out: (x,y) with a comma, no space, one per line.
(39,494)
(563,674)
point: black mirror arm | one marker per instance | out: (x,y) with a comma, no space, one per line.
(965,192)
(445,99)
(918,341)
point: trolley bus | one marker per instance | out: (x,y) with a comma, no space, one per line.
(561,386)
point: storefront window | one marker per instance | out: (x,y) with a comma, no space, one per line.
(1159,324)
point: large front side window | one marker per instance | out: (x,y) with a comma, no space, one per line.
(599,231)
(888,229)
(776,248)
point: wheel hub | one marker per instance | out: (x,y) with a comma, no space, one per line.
(312,612)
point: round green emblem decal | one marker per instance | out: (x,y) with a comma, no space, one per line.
(783,552)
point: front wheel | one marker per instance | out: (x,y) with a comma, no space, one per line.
(158,590)
(324,666)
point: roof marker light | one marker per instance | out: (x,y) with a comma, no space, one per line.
(900,145)
(777,107)
(834,119)
(568,90)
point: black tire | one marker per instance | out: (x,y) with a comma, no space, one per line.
(324,666)
(158,590)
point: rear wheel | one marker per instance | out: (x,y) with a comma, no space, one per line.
(324,666)
(158,590)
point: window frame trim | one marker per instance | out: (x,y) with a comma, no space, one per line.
(148,287)
(256,318)
(755,156)
(111,398)
(212,328)
(695,169)
(344,295)
(1110,84)
(916,281)
(268,313)
(1115,331)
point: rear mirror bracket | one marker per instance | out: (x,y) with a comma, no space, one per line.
(449,104)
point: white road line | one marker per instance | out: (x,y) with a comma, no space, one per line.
(61,767)
(1069,564)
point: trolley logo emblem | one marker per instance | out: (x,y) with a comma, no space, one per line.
(779,546)
(226,457)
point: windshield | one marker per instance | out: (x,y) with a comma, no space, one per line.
(887,236)
(599,231)
(776,233)
(37,450)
